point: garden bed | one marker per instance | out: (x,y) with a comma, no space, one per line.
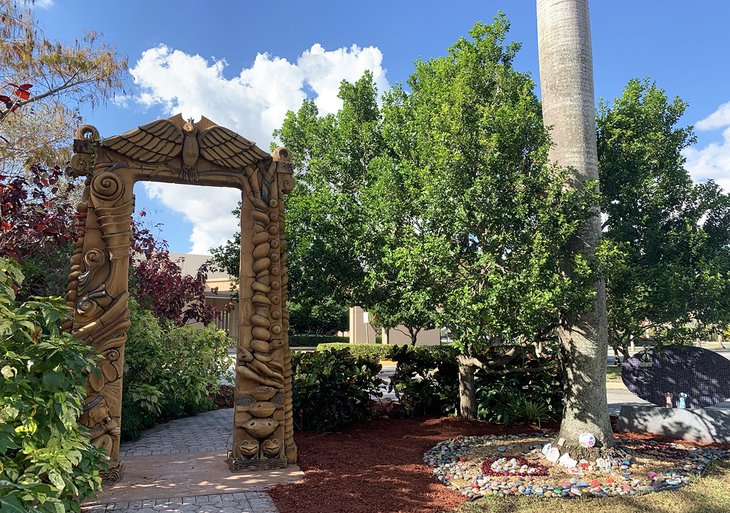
(378,466)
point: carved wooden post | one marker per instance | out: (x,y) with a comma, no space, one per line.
(98,288)
(179,151)
(263,428)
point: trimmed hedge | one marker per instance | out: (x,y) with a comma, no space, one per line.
(314,340)
(379,351)
(332,389)
(426,379)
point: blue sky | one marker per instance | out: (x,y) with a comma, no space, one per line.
(243,64)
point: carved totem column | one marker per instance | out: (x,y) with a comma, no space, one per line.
(178,151)
(263,427)
(98,288)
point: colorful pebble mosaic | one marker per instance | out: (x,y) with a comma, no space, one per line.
(478,466)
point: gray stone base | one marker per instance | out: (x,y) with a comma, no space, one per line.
(699,425)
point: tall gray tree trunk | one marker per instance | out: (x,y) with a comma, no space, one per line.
(566,83)
(467,389)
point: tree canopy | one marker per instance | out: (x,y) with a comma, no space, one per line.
(438,208)
(492,215)
(669,238)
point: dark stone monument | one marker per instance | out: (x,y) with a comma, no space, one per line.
(672,377)
(704,376)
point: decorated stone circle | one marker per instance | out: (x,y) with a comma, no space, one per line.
(515,465)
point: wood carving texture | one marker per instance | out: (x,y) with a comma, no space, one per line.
(178,151)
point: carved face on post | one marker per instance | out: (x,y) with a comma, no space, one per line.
(178,151)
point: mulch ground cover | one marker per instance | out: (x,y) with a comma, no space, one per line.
(376,466)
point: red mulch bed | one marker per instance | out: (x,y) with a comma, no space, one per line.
(376,467)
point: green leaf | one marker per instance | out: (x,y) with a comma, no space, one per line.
(12,504)
(54,380)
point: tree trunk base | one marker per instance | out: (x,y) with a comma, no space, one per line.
(591,454)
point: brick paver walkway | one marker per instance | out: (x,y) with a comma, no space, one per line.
(205,433)
(244,502)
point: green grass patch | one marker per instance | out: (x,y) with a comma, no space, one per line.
(613,374)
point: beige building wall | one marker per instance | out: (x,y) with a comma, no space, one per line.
(399,335)
(360,333)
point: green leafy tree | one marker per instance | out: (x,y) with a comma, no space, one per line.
(493,216)
(325,212)
(493,213)
(669,237)
(326,228)
(47,461)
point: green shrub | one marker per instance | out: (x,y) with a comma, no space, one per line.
(196,360)
(47,461)
(377,351)
(426,382)
(426,379)
(169,371)
(514,398)
(332,389)
(313,340)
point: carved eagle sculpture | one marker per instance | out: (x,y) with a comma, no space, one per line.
(165,139)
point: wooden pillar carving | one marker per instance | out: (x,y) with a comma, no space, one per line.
(262,427)
(98,290)
(178,151)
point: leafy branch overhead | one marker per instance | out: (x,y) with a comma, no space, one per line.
(45,82)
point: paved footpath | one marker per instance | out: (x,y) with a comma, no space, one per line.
(180,466)
(242,502)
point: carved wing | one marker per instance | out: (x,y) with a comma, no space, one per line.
(153,143)
(228,149)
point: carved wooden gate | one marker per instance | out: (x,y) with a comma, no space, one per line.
(173,150)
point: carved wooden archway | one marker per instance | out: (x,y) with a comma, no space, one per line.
(173,150)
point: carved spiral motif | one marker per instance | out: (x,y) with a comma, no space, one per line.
(93,257)
(85,305)
(80,163)
(107,186)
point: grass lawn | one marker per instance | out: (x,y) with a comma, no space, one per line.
(613,374)
(708,494)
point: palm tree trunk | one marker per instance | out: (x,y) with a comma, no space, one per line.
(566,83)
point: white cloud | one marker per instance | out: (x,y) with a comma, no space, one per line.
(43,4)
(712,162)
(718,119)
(324,71)
(207,208)
(253,103)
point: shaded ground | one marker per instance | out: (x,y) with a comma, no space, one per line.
(375,467)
